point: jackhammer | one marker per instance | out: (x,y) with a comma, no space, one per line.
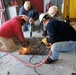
(30,30)
(31,24)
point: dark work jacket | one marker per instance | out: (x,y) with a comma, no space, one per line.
(32,13)
(60,31)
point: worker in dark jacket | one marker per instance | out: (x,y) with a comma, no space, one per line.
(31,13)
(11,29)
(55,13)
(62,36)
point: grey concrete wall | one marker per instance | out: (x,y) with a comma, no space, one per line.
(58,3)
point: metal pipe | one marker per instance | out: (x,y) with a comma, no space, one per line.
(31,30)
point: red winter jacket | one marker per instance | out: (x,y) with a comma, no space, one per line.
(12,28)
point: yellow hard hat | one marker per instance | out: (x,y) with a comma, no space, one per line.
(52,10)
(27,5)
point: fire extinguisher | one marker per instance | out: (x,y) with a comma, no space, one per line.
(48,6)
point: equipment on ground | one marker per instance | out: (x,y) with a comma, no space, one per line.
(24,50)
(46,43)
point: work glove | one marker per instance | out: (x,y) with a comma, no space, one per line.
(46,43)
(31,21)
(48,40)
(25,44)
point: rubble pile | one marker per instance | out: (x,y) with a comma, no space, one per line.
(38,48)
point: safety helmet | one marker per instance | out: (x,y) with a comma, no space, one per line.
(52,10)
(24,17)
(27,5)
(43,16)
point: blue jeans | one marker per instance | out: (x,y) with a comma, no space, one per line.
(66,46)
(27,26)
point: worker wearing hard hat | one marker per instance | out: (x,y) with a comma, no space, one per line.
(32,14)
(11,29)
(55,13)
(62,36)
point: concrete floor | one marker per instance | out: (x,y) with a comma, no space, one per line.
(66,65)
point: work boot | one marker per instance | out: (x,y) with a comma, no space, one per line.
(49,61)
(45,33)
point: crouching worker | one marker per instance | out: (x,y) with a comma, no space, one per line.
(10,29)
(62,36)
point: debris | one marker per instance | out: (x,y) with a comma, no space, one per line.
(38,48)
(8,73)
(73,73)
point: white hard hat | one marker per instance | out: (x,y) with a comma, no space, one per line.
(44,16)
(52,10)
(27,5)
(41,16)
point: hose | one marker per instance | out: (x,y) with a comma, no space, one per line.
(29,65)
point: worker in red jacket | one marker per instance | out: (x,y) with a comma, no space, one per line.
(10,29)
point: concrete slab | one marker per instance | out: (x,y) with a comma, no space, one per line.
(11,66)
